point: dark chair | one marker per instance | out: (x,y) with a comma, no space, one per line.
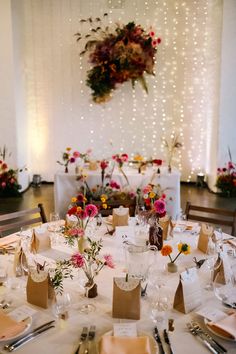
(12,222)
(220,217)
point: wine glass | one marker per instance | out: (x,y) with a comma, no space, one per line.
(210,262)
(225,288)
(62,306)
(54,227)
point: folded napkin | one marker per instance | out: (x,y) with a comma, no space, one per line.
(8,327)
(7,240)
(124,345)
(225,327)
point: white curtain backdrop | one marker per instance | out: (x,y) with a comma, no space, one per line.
(183,96)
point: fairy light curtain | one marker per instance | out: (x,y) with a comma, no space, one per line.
(182,98)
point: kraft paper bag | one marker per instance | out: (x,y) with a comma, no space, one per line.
(120,216)
(40,240)
(93,166)
(19,261)
(188,293)
(39,290)
(126,298)
(206,233)
(165,222)
(222,269)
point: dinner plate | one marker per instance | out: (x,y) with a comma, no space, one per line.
(153,344)
(28,322)
(206,321)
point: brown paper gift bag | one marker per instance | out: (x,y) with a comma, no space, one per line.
(120,216)
(39,290)
(40,241)
(165,222)
(220,270)
(205,233)
(188,293)
(126,298)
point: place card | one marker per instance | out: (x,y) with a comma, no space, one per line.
(21,313)
(211,314)
(188,293)
(125,330)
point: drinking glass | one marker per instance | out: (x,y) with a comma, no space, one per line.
(62,306)
(159,302)
(210,262)
(225,289)
(54,227)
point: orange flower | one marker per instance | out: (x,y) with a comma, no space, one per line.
(166,250)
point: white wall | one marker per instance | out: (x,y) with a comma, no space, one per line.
(227,127)
(7,87)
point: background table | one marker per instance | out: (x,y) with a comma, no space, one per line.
(66,186)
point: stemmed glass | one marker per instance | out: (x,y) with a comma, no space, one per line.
(54,226)
(211,261)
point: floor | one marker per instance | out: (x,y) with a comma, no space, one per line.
(44,194)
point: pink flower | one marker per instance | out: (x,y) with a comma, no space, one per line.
(72,160)
(77,260)
(4,166)
(82,214)
(88,151)
(114,185)
(147,189)
(77,232)
(124,157)
(160,206)
(80,197)
(91,210)
(76,154)
(103,164)
(154,43)
(158,40)
(230,165)
(152,34)
(109,261)
(3,184)
(132,195)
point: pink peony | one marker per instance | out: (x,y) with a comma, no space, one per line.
(160,206)
(77,260)
(114,185)
(91,210)
(109,261)
(124,157)
(103,164)
(77,232)
(76,154)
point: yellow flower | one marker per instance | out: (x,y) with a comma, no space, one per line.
(103,200)
(68,148)
(104,206)
(104,196)
(138,158)
(85,199)
(152,194)
(73,200)
(184,248)
(79,208)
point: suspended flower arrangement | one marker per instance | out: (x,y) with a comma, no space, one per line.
(126,53)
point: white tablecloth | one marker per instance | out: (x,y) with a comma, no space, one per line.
(66,186)
(64,340)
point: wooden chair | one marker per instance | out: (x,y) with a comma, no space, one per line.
(212,216)
(12,222)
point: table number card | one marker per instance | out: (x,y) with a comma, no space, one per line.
(188,293)
(125,330)
(205,233)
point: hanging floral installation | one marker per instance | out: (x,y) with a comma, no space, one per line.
(119,55)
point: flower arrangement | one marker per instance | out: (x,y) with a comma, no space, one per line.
(182,248)
(9,185)
(172,146)
(226,178)
(91,263)
(150,194)
(120,159)
(142,163)
(75,231)
(69,157)
(118,56)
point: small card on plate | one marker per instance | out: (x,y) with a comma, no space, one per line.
(125,330)
(211,314)
(21,313)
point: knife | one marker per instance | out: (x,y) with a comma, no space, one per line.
(83,338)
(91,336)
(167,340)
(217,345)
(158,340)
(199,335)
(29,338)
(45,325)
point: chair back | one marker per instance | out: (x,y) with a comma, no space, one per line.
(221,217)
(14,221)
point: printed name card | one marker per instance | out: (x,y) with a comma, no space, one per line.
(21,313)
(188,293)
(211,314)
(125,330)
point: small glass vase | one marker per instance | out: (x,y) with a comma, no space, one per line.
(172,267)
(90,290)
(82,244)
